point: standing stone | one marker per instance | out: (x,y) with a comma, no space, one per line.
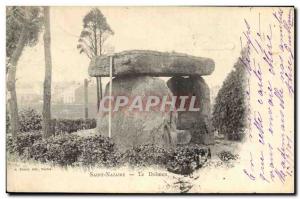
(197,122)
(131,128)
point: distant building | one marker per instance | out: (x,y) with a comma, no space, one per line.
(64,92)
(67,98)
(92,94)
(30,93)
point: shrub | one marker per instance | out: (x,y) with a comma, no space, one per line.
(37,151)
(181,160)
(67,149)
(186,159)
(145,155)
(236,136)
(30,120)
(61,149)
(22,142)
(98,150)
(70,149)
(225,156)
(69,125)
(7,122)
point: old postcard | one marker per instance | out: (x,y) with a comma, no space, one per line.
(150,99)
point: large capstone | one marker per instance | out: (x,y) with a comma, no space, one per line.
(197,122)
(131,128)
(151,63)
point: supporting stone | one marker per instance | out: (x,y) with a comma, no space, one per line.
(197,122)
(131,128)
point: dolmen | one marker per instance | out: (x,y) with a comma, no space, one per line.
(145,109)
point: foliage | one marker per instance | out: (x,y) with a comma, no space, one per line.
(94,34)
(61,149)
(7,122)
(225,156)
(70,125)
(236,136)
(145,155)
(92,39)
(181,160)
(23,24)
(70,149)
(22,142)
(229,112)
(98,151)
(186,159)
(15,19)
(30,120)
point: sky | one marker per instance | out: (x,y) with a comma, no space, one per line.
(206,32)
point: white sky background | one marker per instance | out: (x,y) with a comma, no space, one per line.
(205,32)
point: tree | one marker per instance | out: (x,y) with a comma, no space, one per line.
(48,75)
(92,39)
(86,99)
(229,111)
(23,25)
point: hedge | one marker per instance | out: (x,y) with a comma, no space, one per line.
(30,120)
(70,149)
(70,125)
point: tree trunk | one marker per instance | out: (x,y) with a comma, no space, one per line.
(86,100)
(99,92)
(100,85)
(48,76)
(11,83)
(100,81)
